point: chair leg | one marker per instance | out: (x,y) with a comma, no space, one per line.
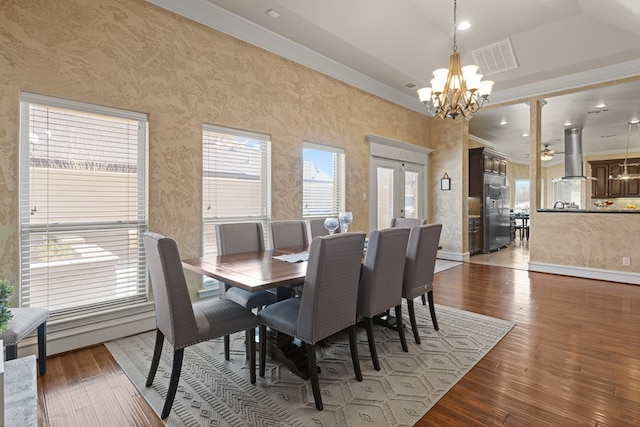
(368,323)
(156,358)
(424,300)
(250,345)
(12,351)
(173,382)
(354,351)
(313,375)
(412,319)
(263,347)
(42,348)
(403,338)
(432,309)
(226,347)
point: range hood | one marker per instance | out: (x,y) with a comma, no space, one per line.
(573,155)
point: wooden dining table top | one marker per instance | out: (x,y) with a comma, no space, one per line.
(251,271)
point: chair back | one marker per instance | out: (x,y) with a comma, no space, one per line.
(407,222)
(239,237)
(422,250)
(174,312)
(382,271)
(287,234)
(315,227)
(328,303)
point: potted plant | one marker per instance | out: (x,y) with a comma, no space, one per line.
(6,290)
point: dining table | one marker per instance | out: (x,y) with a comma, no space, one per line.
(256,271)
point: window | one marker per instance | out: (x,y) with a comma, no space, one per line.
(236,180)
(83,206)
(322,181)
(522,195)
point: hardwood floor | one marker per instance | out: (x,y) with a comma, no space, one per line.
(573,359)
(516,255)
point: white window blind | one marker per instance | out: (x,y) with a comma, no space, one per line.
(323,181)
(236,180)
(83,206)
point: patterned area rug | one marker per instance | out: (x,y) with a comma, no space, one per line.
(214,392)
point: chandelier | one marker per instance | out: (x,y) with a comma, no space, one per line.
(457,90)
(625,173)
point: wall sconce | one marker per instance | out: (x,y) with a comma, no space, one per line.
(445,183)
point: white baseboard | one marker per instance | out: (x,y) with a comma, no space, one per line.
(453,256)
(77,333)
(588,273)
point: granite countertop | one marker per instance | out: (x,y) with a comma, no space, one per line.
(598,211)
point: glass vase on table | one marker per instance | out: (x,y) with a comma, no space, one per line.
(345,219)
(331,224)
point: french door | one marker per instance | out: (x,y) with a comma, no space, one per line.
(397,191)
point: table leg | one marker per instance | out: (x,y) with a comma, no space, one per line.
(290,352)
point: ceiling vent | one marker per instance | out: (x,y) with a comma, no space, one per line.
(495,58)
(601,110)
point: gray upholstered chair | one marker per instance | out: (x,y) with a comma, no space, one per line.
(315,227)
(288,234)
(24,321)
(422,250)
(327,306)
(182,322)
(237,238)
(381,282)
(407,222)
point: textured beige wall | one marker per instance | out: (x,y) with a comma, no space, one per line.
(450,207)
(586,240)
(132,55)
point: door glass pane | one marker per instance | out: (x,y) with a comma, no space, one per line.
(411,201)
(385,197)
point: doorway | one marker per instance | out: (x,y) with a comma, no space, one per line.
(397,181)
(398,191)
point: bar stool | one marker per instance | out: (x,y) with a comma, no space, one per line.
(24,321)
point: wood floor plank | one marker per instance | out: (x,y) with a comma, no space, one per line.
(571,360)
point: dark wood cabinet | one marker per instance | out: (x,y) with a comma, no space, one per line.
(484,161)
(606,187)
(633,185)
(475,235)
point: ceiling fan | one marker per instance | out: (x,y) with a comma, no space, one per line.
(547,153)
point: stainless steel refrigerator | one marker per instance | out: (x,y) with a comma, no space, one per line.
(496,224)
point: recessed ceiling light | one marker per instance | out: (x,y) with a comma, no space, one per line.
(464,25)
(601,105)
(567,123)
(273,13)
(524,135)
(503,122)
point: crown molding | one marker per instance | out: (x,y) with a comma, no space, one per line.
(220,19)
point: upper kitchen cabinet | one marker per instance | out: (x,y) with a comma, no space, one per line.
(608,187)
(494,163)
(484,161)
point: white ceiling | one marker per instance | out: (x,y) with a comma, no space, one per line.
(381,45)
